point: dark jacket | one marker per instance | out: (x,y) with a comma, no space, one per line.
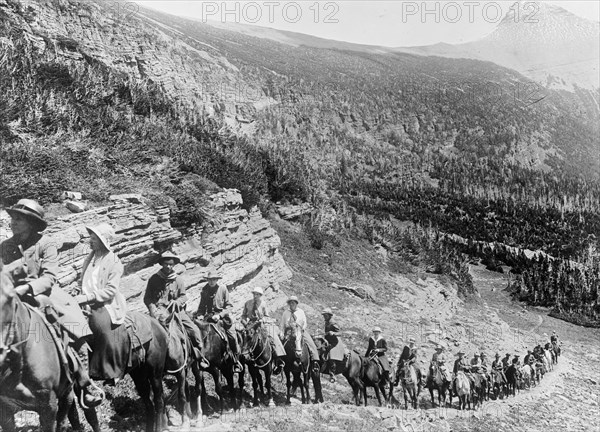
(160,292)
(214,301)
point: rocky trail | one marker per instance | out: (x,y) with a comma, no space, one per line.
(415,304)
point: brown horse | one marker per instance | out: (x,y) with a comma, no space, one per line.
(25,330)
(351,368)
(258,356)
(216,352)
(436,380)
(179,362)
(297,364)
(372,376)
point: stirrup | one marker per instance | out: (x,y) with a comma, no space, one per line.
(332,378)
(97,402)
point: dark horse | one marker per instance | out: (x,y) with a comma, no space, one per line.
(372,376)
(180,362)
(351,368)
(436,380)
(43,372)
(215,351)
(258,356)
(297,364)
(513,379)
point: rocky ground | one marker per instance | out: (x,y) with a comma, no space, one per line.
(409,302)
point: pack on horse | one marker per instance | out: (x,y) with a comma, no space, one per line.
(45,371)
(258,356)
(216,351)
(298,365)
(351,368)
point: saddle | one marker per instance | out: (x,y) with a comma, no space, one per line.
(139,335)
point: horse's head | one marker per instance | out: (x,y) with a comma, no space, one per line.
(7,299)
(250,336)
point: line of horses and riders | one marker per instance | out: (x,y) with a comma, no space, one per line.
(94,337)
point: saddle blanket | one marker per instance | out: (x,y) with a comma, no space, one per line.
(140,333)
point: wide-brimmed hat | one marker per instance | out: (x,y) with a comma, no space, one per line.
(411,339)
(497,354)
(212,274)
(460,353)
(258,290)
(104,232)
(30,209)
(327,311)
(167,256)
(476,354)
(439,348)
(507,354)
(293,299)
(376,329)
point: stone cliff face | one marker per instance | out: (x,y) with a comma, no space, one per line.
(240,245)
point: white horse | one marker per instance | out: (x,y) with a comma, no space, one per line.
(548,360)
(526,375)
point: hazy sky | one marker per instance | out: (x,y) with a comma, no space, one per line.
(386,23)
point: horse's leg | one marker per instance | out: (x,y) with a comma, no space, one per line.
(195,401)
(431,393)
(268,373)
(142,385)
(316,378)
(404,391)
(182,399)
(255,384)
(159,402)
(7,418)
(288,385)
(377,393)
(364,392)
(64,408)
(48,414)
(216,374)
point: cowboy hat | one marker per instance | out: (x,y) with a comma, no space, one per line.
(167,256)
(212,274)
(476,354)
(376,329)
(439,348)
(460,353)
(104,232)
(293,299)
(30,209)
(497,354)
(327,311)
(258,290)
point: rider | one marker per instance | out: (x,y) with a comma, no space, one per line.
(255,310)
(529,358)
(296,316)
(497,365)
(506,361)
(438,361)
(476,363)
(516,362)
(461,364)
(409,354)
(32,258)
(337,348)
(165,294)
(214,305)
(377,348)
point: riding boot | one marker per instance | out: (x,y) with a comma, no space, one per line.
(233,345)
(15,364)
(87,399)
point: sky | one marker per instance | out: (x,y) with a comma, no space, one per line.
(385,23)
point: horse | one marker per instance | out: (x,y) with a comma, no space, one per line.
(526,376)
(436,380)
(351,368)
(478,388)
(462,387)
(43,371)
(258,356)
(550,360)
(411,384)
(373,376)
(555,348)
(512,379)
(498,383)
(216,352)
(179,362)
(297,364)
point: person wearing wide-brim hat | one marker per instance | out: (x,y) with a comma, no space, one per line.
(31,259)
(438,361)
(255,314)
(215,307)
(377,349)
(335,346)
(100,294)
(409,355)
(166,296)
(461,364)
(294,319)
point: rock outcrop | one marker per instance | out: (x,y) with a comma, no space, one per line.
(241,245)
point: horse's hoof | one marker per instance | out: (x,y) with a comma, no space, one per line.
(271,403)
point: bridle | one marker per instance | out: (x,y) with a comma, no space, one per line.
(251,350)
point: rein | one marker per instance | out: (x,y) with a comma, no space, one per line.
(184,345)
(254,360)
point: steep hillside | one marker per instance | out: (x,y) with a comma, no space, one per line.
(102,98)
